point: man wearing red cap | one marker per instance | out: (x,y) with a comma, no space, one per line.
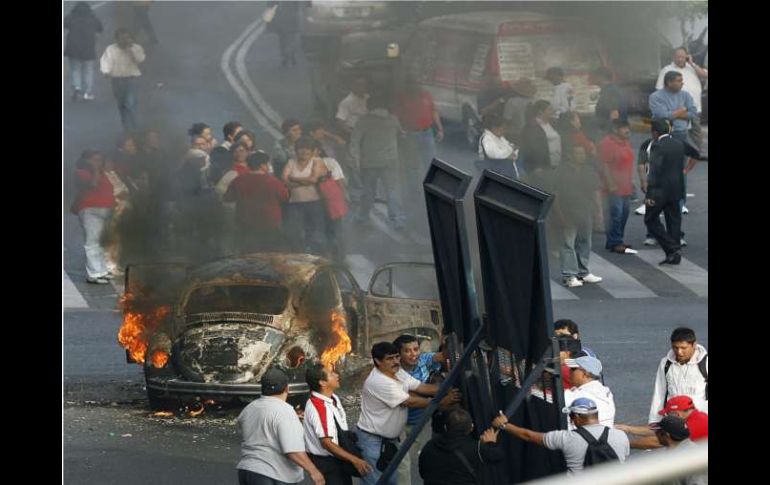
(679,406)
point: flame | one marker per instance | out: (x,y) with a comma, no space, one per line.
(340,344)
(209,402)
(163,414)
(197,412)
(138,327)
(159,358)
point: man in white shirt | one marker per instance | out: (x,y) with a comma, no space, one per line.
(387,394)
(352,107)
(273,449)
(324,417)
(692,74)
(120,62)
(585,377)
(563,99)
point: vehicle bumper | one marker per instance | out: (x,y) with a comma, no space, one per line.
(179,387)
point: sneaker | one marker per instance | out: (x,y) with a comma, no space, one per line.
(89,97)
(630,251)
(572,282)
(98,281)
(109,276)
(682,242)
(685,210)
(650,241)
(590,278)
(641,210)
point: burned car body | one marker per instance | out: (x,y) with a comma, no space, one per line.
(211,331)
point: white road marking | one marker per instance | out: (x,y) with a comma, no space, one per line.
(687,273)
(70,296)
(617,282)
(240,65)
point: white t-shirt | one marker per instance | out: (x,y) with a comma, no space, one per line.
(691,80)
(381,398)
(116,62)
(270,429)
(563,98)
(319,425)
(351,109)
(598,393)
(334,167)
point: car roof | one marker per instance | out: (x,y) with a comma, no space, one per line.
(293,270)
(487,21)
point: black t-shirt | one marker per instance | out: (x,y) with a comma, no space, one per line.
(665,179)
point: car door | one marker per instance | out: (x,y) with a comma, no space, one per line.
(403,298)
(353,303)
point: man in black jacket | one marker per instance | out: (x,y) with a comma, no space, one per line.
(664,188)
(456,457)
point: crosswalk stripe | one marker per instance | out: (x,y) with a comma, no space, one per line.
(687,273)
(559,292)
(70,296)
(617,282)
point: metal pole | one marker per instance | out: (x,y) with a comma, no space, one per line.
(428,414)
(531,378)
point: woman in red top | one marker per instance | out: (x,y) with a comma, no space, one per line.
(93,205)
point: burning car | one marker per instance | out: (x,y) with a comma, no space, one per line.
(210,331)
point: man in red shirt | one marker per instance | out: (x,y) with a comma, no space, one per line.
(679,406)
(258,196)
(617,160)
(417,115)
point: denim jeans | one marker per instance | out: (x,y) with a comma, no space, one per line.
(615,218)
(93,220)
(370,449)
(82,73)
(424,146)
(575,248)
(125,89)
(389,177)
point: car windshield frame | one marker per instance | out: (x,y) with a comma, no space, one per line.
(237,298)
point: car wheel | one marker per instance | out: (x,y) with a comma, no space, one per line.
(159,403)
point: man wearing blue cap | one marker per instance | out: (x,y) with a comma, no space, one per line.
(584,415)
(585,376)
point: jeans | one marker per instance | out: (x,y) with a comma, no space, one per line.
(575,248)
(424,148)
(615,218)
(409,465)
(125,89)
(670,237)
(389,177)
(82,73)
(93,220)
(305,226)
(370,448)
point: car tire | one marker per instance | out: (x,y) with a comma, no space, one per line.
(159,403)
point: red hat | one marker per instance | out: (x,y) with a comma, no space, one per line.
(677,403)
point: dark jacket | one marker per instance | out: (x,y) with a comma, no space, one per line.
(82,27)
(665,180)
(439,464)
(534,147)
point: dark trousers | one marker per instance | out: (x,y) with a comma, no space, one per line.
(670,237)
(246,477)
(286,43)
(330,468)
(615,218)
(124,89)
(305,226)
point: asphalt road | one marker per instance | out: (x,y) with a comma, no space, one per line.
(185,81)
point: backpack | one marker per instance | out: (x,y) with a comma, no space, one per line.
(701,368)
(598,451)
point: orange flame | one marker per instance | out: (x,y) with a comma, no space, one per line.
(163,414)
(138,327)
(340,344)
(159,358)
(197,412)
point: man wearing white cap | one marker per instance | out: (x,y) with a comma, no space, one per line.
(584,417)
(585,375)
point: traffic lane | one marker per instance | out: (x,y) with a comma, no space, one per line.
(90,345)
(630,337)
(190,451)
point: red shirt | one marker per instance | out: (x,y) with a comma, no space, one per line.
(240,168)
(565,381)
(698,422)
(258,199)
(415,112)
(89,197)
(619,158)
(580,139)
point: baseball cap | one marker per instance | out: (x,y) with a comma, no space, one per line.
(587,363)
(675,426)
(581,405)
(677,403)
(274,381)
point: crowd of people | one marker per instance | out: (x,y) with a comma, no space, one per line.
(401,384)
